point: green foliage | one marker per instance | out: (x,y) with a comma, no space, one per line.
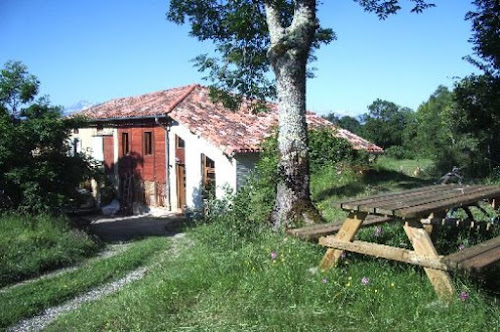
(435,132)
(486,36)
(327,149)
(477,114)
(397,152)
(30,299)
(241,37)
(385,123)
(383,8)
(37,174)
(32,245)
(345,122)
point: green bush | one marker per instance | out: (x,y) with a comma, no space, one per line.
(325,149)
(397,152)
(31,245)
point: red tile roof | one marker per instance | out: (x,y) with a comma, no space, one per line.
(191,106)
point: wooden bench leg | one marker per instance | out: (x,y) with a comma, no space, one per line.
(423,246)
(346,233)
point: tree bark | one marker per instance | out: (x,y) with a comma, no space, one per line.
(288,54)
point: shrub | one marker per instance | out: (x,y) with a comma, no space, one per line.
(397,152)
(325,149)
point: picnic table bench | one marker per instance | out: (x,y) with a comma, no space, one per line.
(417,210)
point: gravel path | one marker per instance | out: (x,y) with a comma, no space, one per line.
(37,323)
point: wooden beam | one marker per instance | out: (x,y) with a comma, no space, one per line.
(346,233)
(384,251)
(475,257)
(314,232)
(423,247)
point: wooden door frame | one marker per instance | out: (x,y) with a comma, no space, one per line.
(180,173)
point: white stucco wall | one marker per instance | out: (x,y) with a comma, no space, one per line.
(225,167)
(87,142)
(90,141)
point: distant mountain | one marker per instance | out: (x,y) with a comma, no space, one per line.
(78,106)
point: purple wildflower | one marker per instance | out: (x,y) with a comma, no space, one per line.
(365,281)
(378,231)
(343,255)
(324,281)
(464,296)
(461,247)
(274,255)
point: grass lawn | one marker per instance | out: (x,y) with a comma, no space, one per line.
(30,299)
(223,283)
(32,245)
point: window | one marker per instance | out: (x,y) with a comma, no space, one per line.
(148,143)
(76,146)
(125,144)
(208,173)
(179,142)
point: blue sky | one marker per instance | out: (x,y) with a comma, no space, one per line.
(97,50)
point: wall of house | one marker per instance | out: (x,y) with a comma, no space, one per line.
(97,143)
(195,146)
(149,169)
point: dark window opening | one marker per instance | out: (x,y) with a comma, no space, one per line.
(125,144)
(148,143)
(208,174)
(179,142)
(76,142)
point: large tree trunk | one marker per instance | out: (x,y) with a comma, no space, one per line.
(288,55)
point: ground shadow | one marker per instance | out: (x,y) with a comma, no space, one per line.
(134,227)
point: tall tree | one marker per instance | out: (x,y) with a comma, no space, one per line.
(253,36)
(36,172)
(478,96)
(435,122)
(385,123)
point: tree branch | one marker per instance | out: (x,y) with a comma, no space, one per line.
(276,30)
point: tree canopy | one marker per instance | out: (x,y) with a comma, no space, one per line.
(36,171)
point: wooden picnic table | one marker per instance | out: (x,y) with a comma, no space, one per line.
(417,210)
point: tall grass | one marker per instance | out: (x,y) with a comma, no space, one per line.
(30,245)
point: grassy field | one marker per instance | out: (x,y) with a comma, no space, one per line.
(271,284)
(32,245)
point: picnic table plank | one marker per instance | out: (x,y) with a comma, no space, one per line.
(406,201)
(384,251)
(354,204)
(456,193)
(314,232)
(475,257)
(464,200)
